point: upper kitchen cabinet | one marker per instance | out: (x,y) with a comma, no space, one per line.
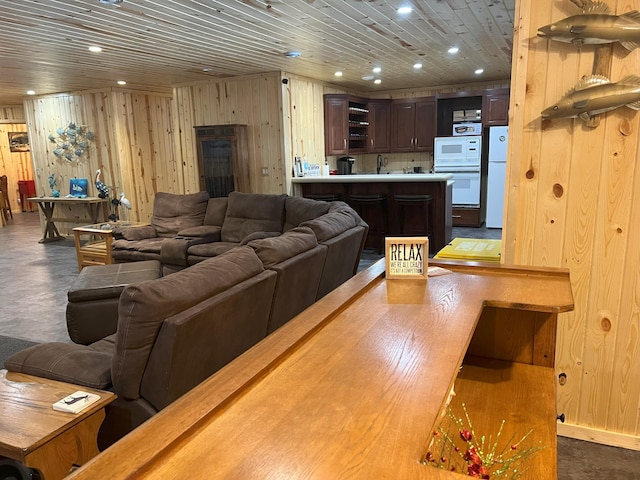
(413,122)
(379,126)
(495,107)
(346,125)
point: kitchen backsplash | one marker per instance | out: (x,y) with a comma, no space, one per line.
(392,162)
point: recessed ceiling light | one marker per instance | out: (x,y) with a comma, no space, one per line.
(377,81)
(479,71)
(338,73)
(453,50)
(95,48)
(292,54)
(368,77)
(404,10)
(417,65)
(110,2)
(377,69)
(121,82)
(31,92)
(207,69)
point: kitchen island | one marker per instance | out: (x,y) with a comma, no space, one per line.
(393,221)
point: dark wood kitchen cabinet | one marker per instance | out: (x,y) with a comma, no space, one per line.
(413,124)
(346,124)
(495,107)
(379,126)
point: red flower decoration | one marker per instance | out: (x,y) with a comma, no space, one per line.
(466,435)
(472,456)
(477,471)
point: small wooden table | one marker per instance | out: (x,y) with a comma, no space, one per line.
(97,252)
(38,436)
(48,204)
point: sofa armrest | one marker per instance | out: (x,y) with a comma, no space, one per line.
(259,236)
(65,362)
(211,232)
(134,233)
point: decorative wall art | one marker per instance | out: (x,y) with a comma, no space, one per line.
(78,187)
(18,141)
(596,26)
(595,94)
(72,142)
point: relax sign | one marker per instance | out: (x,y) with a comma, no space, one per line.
(406,257)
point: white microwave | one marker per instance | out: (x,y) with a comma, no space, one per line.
(457,153)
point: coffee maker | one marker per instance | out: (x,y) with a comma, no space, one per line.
(345,165)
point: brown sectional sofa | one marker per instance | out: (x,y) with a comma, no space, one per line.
(176,330)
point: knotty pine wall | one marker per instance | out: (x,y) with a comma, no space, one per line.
(133,146)
(573,201)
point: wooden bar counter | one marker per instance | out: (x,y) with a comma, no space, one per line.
(354,386)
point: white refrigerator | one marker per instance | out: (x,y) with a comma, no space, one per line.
(496,177)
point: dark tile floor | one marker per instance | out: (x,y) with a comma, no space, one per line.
(35,278)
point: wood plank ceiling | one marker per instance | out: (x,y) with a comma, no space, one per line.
(153,44)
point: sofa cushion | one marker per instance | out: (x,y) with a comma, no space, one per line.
(65,362)
(175,212)
(149,245)
(134,233)
(144,307)
(331,224)
(252,212)
(203,231)
(272,251)
(216,211)
(207,250)
(299,209)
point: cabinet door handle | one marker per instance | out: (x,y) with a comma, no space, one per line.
(344,140)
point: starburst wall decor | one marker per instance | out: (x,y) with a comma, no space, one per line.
(72,142)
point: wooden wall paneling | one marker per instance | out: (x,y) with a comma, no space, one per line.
(184,138)
(12,114)
(585,181)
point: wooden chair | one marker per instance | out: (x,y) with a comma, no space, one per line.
(4,199)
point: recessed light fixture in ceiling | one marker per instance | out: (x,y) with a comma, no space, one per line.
(110,2)
(338,73)
(417,65)
(377,81)
(207,69)
(479,71)
(121,82)
(405,10)
(31,92)
(368,77)
(95,49)
(377,69)
(453,50)
(292,54)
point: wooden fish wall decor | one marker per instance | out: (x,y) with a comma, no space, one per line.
(596,26)
(596,94)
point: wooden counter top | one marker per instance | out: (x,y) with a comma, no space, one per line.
(350,388)
(383,177)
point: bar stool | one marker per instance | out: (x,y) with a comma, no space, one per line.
(372,207)
(424,218)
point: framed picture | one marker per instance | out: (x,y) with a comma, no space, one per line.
(406,257)
(18,141)
(78,187)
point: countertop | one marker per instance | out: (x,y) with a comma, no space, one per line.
(383,177)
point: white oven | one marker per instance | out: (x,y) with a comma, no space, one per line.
(457,153)
(460,156)
(466,189)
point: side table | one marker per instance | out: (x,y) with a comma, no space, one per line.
(97,252)
(38,436)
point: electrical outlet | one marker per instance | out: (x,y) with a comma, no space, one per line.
(265,171)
